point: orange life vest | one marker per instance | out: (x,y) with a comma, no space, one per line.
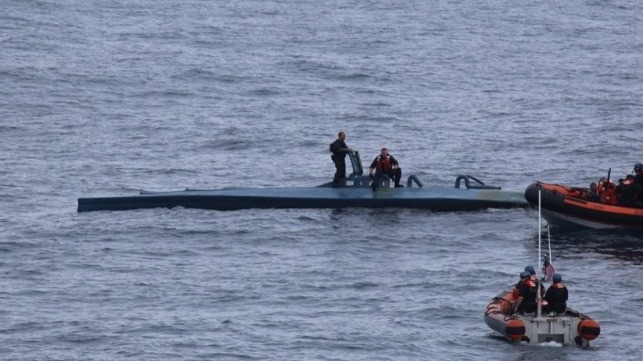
(607,191)
(384,164)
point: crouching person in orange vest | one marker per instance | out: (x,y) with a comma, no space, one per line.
(385,164)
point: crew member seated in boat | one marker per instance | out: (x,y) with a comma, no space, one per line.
(526,302)
(534,278)
(556,295)
(592,195)
(385,164)
(524,275)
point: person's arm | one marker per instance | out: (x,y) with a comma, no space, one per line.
(517,304)
(346,148)
(373,165)
(394,162)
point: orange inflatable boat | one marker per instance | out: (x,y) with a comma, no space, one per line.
(568,328)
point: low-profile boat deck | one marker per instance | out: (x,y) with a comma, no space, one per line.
(356,192)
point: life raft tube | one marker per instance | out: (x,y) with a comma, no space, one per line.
(515,329)
(589,329)
(497,316)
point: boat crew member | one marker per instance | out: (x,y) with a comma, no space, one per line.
(534,278)
(557,294)
(528,291)
(339,150)
(524,275)
(385,164)
(638,184)
(626,192)
(592,195)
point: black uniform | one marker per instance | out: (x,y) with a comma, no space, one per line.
(339,158)
(638,188)
(626,191)
(556,297)
(528,292)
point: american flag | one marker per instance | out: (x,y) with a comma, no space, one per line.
(548,269)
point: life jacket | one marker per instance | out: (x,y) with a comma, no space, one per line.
(532,290)
(528,290)
(607,191)
(530,282)
(515,292)
(384,164)
(558,297)
(558,293)
(625,190)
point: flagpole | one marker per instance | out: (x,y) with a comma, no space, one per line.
(538,295)
(539,230)
(549,243)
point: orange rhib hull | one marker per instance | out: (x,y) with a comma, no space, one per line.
(570,206)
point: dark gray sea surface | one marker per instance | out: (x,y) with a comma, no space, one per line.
(106,98)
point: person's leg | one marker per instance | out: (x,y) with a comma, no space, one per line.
(397,176)
(340,173)
(338,176)
(376,180)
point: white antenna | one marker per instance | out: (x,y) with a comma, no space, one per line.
(539,230)
(538,295)
(549,243)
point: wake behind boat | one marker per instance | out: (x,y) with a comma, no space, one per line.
(468,194)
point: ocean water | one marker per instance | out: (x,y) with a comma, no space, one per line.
(111,97)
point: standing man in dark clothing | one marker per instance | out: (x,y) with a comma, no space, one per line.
(339,150)
(556,295)
(626,191)
(638,183)
(385,164)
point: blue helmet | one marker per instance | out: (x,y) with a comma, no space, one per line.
(557,278)
(638,167)
(524,274)
(530,269)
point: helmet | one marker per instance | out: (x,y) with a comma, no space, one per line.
(525,274)
(530,269)
(557,278)
(638,167)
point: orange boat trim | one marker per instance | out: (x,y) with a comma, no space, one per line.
(603,207)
